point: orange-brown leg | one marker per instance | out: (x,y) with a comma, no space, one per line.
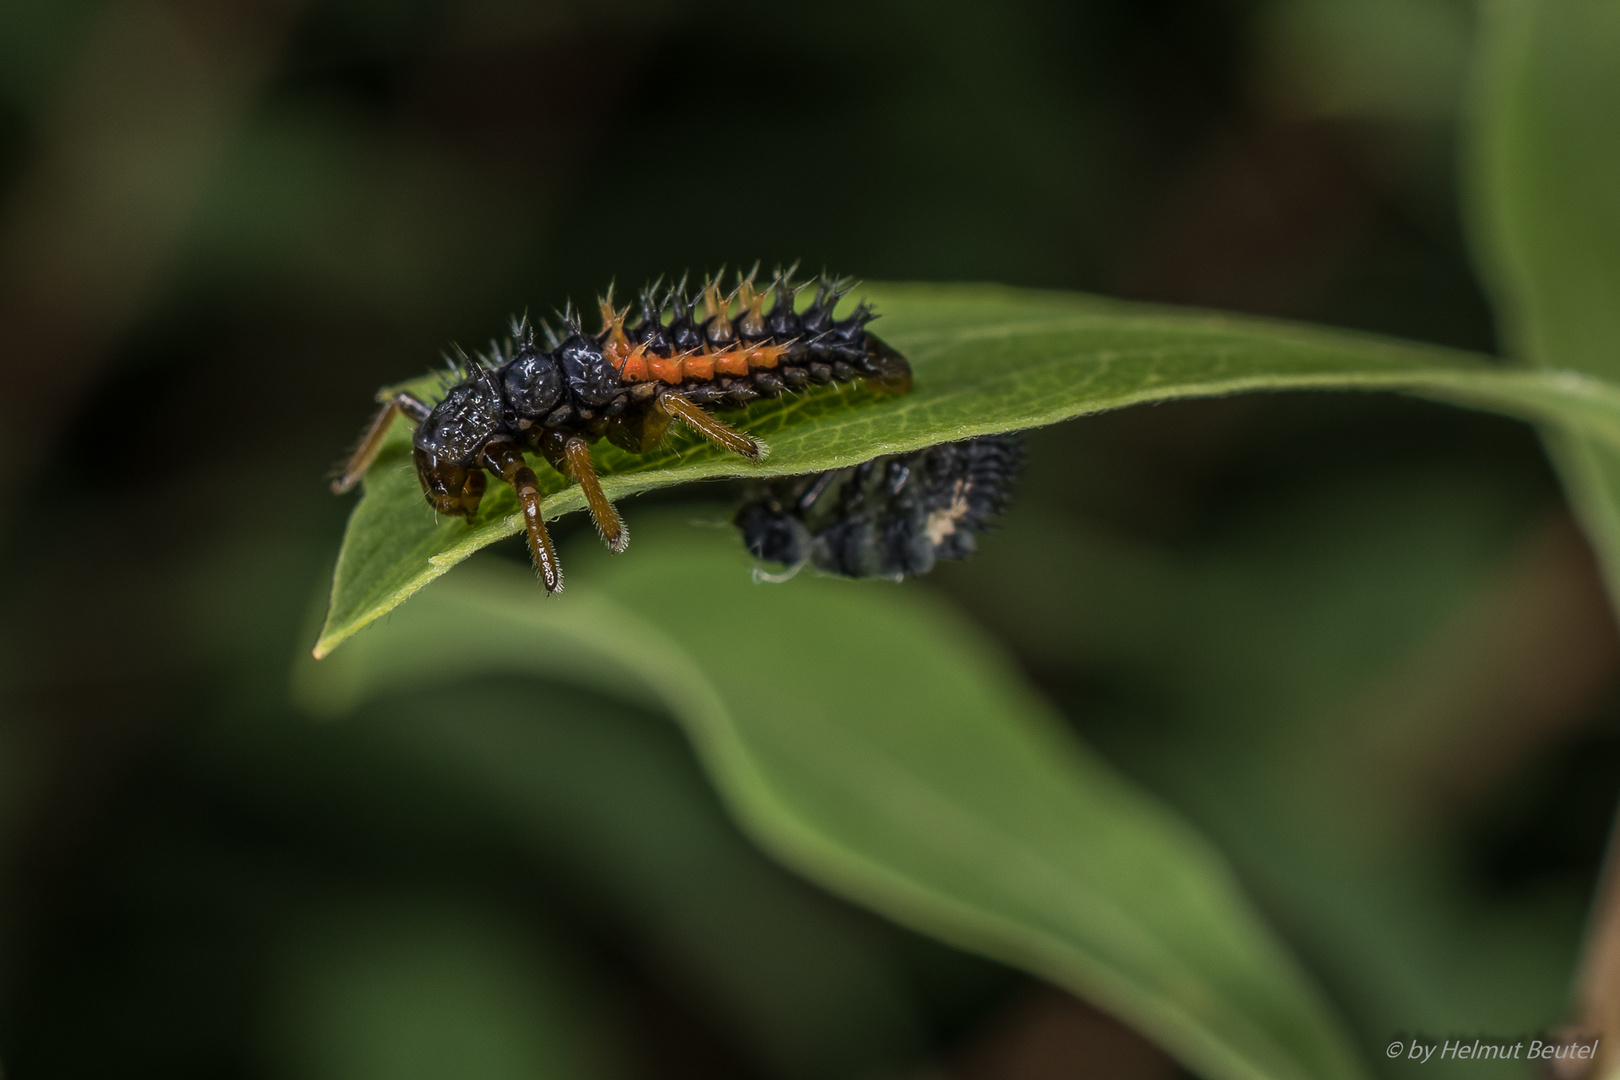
(716,431)
(364,454)
(577,455)
(507,460)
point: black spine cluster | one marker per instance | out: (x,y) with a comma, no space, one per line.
(891,517)
(820,349)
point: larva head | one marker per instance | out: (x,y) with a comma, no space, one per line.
(590,375)
(449,443)
(450,488)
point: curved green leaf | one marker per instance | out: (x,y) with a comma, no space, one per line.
(1546,225)
(1546,221)
(987,359)
(871,739)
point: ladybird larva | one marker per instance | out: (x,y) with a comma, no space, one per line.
(626,383)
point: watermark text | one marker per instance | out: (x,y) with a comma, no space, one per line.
(1422,1050)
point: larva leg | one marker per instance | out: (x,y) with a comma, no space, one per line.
(507,461)
(577,452)
(716,431)
(815,491)
(409,404)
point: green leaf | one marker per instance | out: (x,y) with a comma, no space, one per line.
(987,360)
(609,799)
(1546,215)
(419,987)
(1299,679)
(875,742)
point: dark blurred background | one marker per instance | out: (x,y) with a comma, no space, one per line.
(1356,640)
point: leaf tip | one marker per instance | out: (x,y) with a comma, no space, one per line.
(331,637)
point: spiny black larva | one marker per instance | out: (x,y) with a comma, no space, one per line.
(626,382)
(891,517)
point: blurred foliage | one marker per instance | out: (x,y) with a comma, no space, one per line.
(1547,220)
(1390,60)
(1303,713)
(875,744)
(1354,642)
(1548,223)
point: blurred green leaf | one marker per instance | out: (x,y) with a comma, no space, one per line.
(1304,681)
(609,798)
(36,45)
(417,988)
(573,810)
(1548,152)
(872,740)
(1546,215)
(987,360)
(1378,59)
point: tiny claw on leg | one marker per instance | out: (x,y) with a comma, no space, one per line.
(578,454)
(716,431)
(534,527)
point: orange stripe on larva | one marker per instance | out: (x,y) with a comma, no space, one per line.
(630,363)
(765,356)
(665,368)
(636,365)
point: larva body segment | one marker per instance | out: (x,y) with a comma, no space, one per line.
(732,356)
(625,383)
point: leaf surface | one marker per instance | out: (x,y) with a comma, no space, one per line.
(1546,218)
(874,741)
(987,360)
